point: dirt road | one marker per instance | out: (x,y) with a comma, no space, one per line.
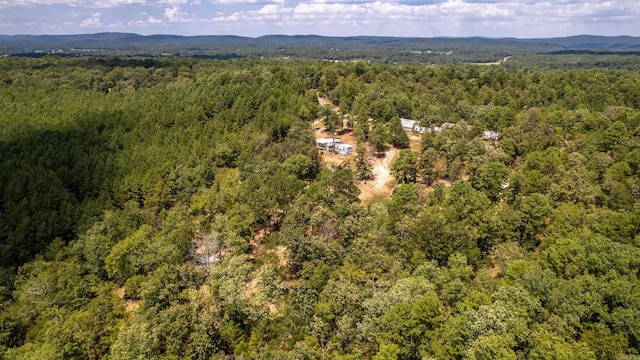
(381,173)
(382,183)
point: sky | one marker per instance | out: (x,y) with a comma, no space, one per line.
(420,18)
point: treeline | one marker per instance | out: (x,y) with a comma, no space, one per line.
(619,52)
(176,208)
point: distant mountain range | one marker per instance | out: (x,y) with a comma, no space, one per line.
(311,46)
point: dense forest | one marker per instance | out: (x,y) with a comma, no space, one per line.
(175,208)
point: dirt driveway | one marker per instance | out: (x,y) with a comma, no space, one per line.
(382,183)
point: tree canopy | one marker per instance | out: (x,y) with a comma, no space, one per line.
(179,209)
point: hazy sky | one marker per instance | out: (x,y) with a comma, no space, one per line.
(423,18)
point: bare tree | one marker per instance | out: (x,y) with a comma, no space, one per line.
(207,249)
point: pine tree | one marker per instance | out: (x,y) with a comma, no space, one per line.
(361,130)
(332,120)
(363,163)
(379,138)
(399,137)
(404,169)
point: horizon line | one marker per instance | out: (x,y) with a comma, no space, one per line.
(330,36)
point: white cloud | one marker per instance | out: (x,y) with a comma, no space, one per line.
(520,18)
(94,21)
(174,15)
(149,21)
(94,3)
(231,2)
(430,17)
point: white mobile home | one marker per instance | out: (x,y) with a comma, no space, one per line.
(411,126)
(327,143)
(344,149)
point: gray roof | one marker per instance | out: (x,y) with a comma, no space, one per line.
(327,141)
(408,123)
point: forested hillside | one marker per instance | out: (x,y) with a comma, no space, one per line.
(618,52)
(175,208)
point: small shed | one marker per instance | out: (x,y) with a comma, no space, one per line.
(344,149)
(334,164)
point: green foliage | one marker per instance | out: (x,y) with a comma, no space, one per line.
(133,286)
(490,178)
(404,168)
(387,352)
(399,137)
(301,166)
(330,118)
(363,163)
(136,341)
(140,253)
(379,137)
(405,202)
(31,351)
(176,209)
